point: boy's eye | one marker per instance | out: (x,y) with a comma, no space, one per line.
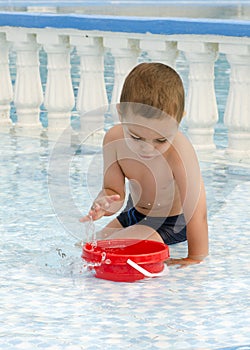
(135,137)
(161,140)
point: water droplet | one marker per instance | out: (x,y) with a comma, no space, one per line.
(103,256)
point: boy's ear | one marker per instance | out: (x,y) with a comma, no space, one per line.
(118,108)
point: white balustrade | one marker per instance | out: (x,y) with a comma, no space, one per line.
(125,52)
(28,95)
(59,96)
(92,101)
(160,51)
(6,91)
(92,92)
(201,106)
(201,52)
(237,111)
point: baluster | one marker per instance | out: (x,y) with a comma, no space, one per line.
(6,93)
(59,96)
(92,100)
(125,52)
(201,105)
(28,94)
(237,110)
(160,51)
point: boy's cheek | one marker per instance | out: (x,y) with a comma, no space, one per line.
(133,145)
(162,149)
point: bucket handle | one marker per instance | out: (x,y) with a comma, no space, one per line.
(146,273)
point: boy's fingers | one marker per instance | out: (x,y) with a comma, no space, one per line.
(181,262)
(94,207)
(87,218)
(112,198)
(97,207)
(84,219)
(104,203)
(92,214)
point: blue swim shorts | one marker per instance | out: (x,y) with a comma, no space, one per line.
(172,229)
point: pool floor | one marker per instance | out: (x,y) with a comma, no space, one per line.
(49,301)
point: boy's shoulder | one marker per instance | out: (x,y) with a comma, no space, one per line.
(182,149)
(182,141)
(114,133)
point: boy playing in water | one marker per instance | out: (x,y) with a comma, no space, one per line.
(166,199)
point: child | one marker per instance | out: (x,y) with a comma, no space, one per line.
(166,199)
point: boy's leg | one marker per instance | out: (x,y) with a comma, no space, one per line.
(112,227)
(114,230)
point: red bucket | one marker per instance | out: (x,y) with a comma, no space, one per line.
(109,258)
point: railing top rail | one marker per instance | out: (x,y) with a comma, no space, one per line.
(141,25)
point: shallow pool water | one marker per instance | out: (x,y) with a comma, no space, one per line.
(48,298)
(50,301)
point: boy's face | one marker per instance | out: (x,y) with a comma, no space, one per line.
(149,137)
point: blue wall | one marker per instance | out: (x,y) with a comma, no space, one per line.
(165,26)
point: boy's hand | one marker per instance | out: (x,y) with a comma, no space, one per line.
(183,262)
(100,207)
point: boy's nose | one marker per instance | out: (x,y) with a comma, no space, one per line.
(147,147)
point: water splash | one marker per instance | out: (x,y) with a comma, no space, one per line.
(55,261)
(92,240)
(91,232)
(91,264)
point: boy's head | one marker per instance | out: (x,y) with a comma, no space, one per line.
(156,85)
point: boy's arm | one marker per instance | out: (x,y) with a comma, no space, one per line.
(197,235)
(197,229)
(192,192)
(110,199)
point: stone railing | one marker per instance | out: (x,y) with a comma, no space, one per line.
(125,37)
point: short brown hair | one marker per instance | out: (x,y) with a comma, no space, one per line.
(156,85)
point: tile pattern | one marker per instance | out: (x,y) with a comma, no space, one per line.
(49,300)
